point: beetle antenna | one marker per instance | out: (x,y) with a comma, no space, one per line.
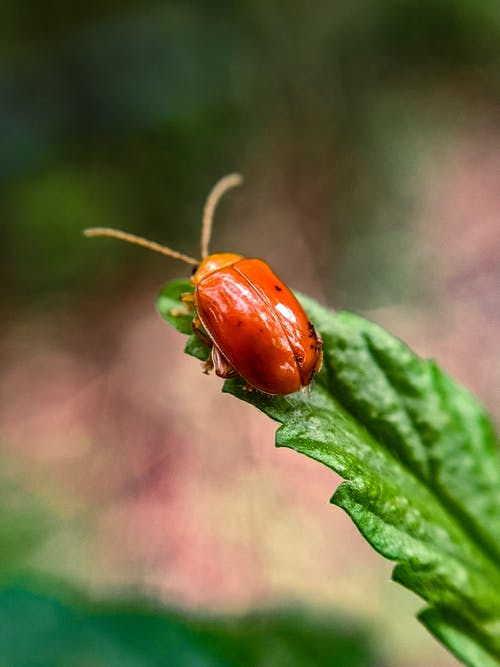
(225,183)
(138,240)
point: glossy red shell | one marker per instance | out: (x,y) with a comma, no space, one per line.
(258,325)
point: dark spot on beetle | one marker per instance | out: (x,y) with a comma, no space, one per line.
(261,329)
(299,358)
(239,323)
(195,269)
(310,330)
(278,288)
(312,346)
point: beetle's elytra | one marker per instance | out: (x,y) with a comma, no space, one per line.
(250,320)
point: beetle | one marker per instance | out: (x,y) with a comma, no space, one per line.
(253,325)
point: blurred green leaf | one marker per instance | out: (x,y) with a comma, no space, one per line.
(40,630)
(45,622)
(420,460)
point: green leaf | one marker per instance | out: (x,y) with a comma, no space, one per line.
(45,623)
(420,460)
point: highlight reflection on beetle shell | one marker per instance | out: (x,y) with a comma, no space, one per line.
(259,326)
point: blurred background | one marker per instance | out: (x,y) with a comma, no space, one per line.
(369,137)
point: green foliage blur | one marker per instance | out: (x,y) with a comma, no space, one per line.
(43,630)
(47,622)
(125,114)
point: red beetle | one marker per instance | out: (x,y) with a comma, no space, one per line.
(251,321)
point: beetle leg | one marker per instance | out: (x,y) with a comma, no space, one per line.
(319,360)
(188,300)
(199,332)
(222,366)
(207,365)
